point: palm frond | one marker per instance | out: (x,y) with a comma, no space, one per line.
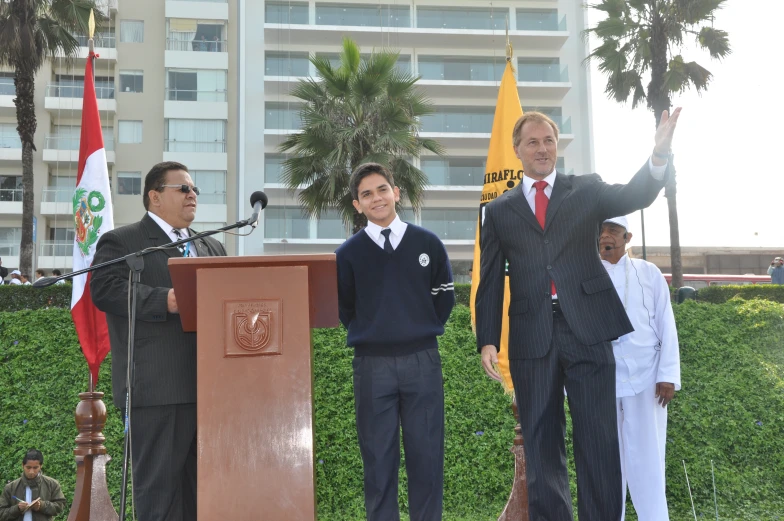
(715,41)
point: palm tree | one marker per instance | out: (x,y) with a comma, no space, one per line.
(645,36)
(31,32)
(364,110)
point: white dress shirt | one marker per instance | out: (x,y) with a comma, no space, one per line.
(169,229)
(650,353)
(397,226)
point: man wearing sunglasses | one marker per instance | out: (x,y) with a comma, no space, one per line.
(163,412)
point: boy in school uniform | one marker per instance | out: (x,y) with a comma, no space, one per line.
(395,293)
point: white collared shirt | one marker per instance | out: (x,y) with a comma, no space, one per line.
(650,354)
(397,226)
(169,230)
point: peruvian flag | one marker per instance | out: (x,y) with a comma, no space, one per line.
(92,205)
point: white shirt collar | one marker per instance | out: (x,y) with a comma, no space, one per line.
(396,226)
(621,262)
(166,227)
(528,182)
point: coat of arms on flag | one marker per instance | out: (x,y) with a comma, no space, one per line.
(87,223)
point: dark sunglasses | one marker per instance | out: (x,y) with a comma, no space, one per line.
(183,188)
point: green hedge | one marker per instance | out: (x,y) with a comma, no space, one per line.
(731,411)
(463,294)
(720,294)
(17,298)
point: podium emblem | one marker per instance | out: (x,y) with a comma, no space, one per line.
(252,327)
(252,331)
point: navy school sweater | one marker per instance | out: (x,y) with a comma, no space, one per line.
(394,303)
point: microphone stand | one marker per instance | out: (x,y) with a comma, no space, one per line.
(135,263)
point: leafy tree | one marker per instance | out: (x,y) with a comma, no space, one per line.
(644,37)
(363,110)
(32,32)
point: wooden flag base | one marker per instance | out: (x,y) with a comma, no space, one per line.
(91,497)
(516,508)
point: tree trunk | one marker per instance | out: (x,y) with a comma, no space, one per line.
(659,101)
(670,192)
(24,80)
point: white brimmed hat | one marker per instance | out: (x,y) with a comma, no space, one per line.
(620,221)
(16,272)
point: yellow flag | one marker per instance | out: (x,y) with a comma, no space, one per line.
(503,172)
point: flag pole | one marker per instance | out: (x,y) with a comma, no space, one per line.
(91,57)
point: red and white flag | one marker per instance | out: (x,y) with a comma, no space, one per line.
(92,206)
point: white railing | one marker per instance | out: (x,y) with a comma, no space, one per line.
(175,145)
(195,95)
(175,44)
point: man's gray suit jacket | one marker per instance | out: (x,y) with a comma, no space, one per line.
(566,251)
(164,355)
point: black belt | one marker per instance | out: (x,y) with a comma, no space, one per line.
(557,308)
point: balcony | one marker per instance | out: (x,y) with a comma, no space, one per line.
(196,54)
(209,155)
(183,104)
(69,97)
(55,254)
(10,146)
(11,201)
(108,7)
(316,35)
(57,201)
(105,47)
(65,149)
(9,251)
(7,95)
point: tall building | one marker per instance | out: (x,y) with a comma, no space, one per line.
(206,83)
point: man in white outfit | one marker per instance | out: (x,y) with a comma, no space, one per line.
(647,371)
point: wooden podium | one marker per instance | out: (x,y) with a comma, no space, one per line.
(255,381)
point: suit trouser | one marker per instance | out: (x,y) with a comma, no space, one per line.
(391,392)
(642,432)
(588,374)
(163,445)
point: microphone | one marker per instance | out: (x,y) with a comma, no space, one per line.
(258,200)
(608,247)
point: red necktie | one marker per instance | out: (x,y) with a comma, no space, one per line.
(540,203)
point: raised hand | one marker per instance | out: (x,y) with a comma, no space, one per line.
(665,131)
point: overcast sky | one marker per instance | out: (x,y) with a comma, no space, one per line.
(727,144)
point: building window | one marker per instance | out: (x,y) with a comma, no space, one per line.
(129,132)
(286,64)
(460,18)
(212,184)
(129,183)
(132,31)
(72,86)
(454,171)
(540,69)
(539,20)
(330,226)
(403,63)
(9,241)
(451,224)
(363,15)
(195,135)
(461,68)
(282,116)
(7,84)
(9,136)
(195,85)
(460,119)
(273,168)
(286,12)
(556,114)
(10,188)
(131,81)
(286,223)
(195,35)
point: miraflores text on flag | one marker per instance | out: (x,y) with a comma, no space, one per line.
(92,210)
(504,171)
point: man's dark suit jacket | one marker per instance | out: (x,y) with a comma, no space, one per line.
(164,355)
(566,251)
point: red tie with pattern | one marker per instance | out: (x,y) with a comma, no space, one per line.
(540,203)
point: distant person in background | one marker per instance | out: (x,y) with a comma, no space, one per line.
(201,45)
(32,497)
(776,271)
(39,274)
(57,273)
(3,272)
(216,45)
(647,371)
(16,278)
(26,280)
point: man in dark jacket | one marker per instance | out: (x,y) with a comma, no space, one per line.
(33,497)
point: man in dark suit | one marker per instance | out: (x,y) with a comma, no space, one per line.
(163,408)
(563,313)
